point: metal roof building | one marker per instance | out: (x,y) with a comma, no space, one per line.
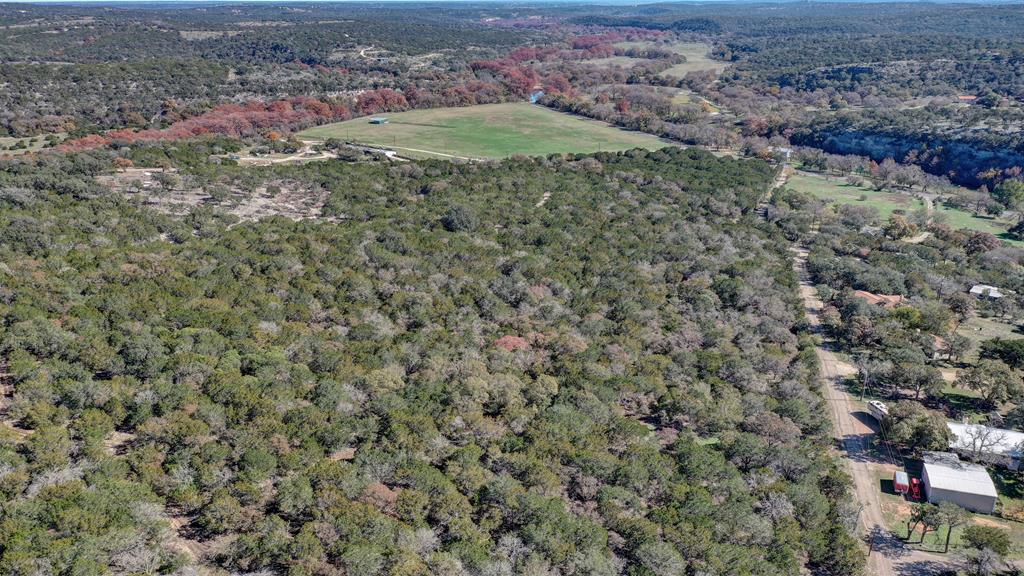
(948,479)
(986,291)
(989,441)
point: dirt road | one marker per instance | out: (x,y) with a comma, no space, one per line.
(304,154)
(889,556)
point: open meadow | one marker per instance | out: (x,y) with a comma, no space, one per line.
(696,54)
(979,329)
(15,146)
(697,59)
(837,190)
(962,219)
(485,131)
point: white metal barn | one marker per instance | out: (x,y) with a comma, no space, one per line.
(948,479)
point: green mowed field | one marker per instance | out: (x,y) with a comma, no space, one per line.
(961,219)
(486,131)
(979,329)
(839,191)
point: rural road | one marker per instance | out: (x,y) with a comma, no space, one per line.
(889,556)
(433,152)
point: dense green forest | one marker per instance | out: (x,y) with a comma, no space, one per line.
(78,69)
(451,381)
(224,350)
(877,80)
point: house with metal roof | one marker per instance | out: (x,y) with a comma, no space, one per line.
(981,440)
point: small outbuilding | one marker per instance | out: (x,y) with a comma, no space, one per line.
(948,479)
(378,120)
(901,482)
(986,291)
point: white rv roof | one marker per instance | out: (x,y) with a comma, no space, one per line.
(947,472)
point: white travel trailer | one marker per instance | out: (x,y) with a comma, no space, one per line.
(878,410)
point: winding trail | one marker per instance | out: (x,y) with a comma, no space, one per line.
(305,153)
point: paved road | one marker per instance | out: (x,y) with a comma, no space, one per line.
(890,557)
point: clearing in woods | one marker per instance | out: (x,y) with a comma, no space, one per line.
(486,131)
(16,146)
(697,59)
(696,54)
(978,329)
(841,192)
(838,190)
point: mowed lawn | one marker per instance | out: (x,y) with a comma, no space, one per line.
(962,219)
(486,131)
(696,54)
(979,329)
(839,191)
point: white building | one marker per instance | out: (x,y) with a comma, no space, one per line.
(983,440)
(948,479)
(987,291)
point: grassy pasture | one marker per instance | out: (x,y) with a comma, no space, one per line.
(677,95)
(32,144)
(961,219)
(978,329)
(696,54)
(486,131)
(839,191)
